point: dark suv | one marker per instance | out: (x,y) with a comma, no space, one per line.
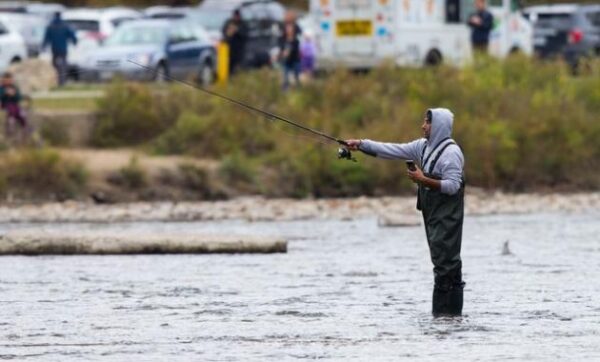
(567,30)
(262,18)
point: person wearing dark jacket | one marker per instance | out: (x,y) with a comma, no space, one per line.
(235,35)
(289,45)
(439,173)
(58,36)
(481,23)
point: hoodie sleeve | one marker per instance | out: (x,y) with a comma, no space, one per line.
(451,166)
(394,151)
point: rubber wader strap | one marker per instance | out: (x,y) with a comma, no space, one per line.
(439,154)
(424,163)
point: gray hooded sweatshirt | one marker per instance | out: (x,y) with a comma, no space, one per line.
(450,165)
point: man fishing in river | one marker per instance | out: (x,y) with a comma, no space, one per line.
(440,178)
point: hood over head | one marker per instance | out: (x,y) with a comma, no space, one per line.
(441,126)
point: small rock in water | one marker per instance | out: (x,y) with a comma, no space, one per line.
(399,221)
(505,249)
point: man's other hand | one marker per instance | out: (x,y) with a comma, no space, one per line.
(417,175)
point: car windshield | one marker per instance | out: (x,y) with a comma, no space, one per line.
(167,15)
(213,19)
(594,18)
(136,35)
(84,25)
(554,20)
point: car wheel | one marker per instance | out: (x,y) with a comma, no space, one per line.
(207,74)
(15,60)
(161,74)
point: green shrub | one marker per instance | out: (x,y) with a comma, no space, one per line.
(127,115)
(186,136)
(132,176)
(32,173)
(55,132)
(238,171)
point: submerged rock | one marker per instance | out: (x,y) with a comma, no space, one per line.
(402,220)
(505,249)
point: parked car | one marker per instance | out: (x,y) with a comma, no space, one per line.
(45,10)
(92,27)
(570,31)
(26,7)
(12,47)
(13,7)
(167,12)
(31,27)
(178,49)
(263,20)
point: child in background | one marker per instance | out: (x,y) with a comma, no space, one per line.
(10,100)
(308,52)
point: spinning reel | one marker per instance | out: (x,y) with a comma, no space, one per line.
(345,154)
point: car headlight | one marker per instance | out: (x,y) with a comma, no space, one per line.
(142,59)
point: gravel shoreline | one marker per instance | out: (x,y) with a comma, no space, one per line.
(478,202)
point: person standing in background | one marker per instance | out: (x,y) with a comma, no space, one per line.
(235,35)
(481,23)
(58,35)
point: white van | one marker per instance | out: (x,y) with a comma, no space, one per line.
(365,33)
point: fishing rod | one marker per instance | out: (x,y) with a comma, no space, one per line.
(343,152)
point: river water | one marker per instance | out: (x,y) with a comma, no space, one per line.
(345,291)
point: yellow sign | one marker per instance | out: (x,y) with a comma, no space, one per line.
(354,28)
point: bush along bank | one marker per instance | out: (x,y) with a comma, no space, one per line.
(523,125)
(40,175)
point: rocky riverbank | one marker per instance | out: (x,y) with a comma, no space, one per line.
(478,202)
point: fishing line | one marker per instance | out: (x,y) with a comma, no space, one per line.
(79,72)
(343,153)
(268,115)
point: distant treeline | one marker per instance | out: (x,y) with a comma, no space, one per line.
(301,4)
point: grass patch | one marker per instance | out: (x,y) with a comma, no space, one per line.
(61,104)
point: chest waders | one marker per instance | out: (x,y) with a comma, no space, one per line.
(443,217)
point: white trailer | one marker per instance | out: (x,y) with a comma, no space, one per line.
(365,33)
